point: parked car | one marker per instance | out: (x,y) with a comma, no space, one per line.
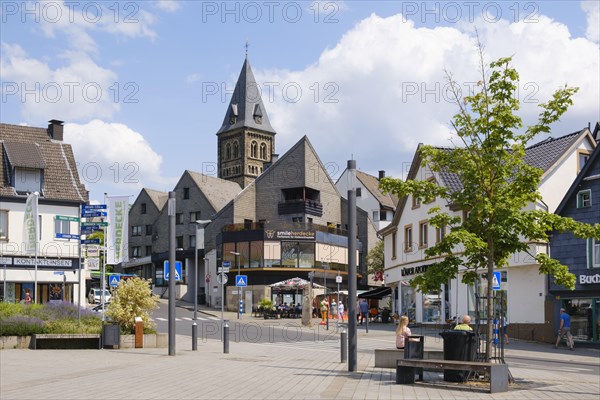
(95,294)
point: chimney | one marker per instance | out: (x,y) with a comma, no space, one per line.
(381,175)
(55,129)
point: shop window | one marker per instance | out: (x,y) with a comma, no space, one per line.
(584,198)
(407,294)
(432,307)
(582,313)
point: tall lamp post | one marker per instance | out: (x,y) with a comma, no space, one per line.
(200,225)
(235,253)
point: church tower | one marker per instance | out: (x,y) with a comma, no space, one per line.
(246,139)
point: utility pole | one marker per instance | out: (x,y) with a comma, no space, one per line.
(352,349)
(171,209)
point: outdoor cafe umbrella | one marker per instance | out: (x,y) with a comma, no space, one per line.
(293,284)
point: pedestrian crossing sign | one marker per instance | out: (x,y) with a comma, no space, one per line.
(496,281)
(241,280)
(113,280)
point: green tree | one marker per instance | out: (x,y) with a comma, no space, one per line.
(132,298)
(498,185)
(375,258)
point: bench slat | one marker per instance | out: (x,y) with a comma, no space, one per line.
(446,364)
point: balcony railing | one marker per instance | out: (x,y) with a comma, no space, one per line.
(310,207)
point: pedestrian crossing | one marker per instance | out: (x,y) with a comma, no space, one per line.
(188,319)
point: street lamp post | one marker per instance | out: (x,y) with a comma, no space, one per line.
(235,253)
(200,225)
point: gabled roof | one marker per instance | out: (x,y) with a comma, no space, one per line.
(24,146)
(545,155)
(589,165)
(157,197)
(218,191)
(246,104)
(371,183)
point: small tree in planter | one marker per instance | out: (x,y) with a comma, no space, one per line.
(132,298)
(266,307)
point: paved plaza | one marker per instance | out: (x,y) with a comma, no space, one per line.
(279,370)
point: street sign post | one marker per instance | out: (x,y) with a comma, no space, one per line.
(66,236)
(94,224)
(496,281)
(90,241)
(66,218)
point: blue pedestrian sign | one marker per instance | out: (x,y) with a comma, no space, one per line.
(113,280)
(496,281)
(241,280)
(177,270)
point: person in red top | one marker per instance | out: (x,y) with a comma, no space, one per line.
(27,298)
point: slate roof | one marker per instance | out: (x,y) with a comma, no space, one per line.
(371,183)
(158,198)
(245,104)
(24,146)
(218,191)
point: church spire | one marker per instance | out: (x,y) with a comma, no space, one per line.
(246,108)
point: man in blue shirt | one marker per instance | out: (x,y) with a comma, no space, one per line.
(565,329)
(364,311)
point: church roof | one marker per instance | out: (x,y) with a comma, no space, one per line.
(246,108)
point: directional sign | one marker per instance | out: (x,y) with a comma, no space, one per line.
(177,270)
(59,272)
(86,230)
(496,281)
(94,224)
(222,279)
(66,218)
(224,270)
(66,236)
(93,214)
(90,241)
(113,280)
(241,280)
(338,279)
(94,207)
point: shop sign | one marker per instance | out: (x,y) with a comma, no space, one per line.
(589,279)
(414,270)
(289,235)
(41,262)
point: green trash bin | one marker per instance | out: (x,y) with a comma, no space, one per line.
(458,346)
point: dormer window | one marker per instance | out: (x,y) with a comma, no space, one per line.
(26,166)
(257,114)
(233,114)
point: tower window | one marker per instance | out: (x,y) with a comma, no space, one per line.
(227,151)
(253,149)
(263,151)
(236,150)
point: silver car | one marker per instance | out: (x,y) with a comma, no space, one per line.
(95,294)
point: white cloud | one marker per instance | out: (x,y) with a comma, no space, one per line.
(191,78)
(113,158)
(168,5)
(384,81)
(592,11)
(79,89)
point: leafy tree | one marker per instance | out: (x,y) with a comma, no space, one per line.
(132,298)
(375,258)
(498,185)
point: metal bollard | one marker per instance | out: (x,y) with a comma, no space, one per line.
(226,339)
(344,345)
(194,336)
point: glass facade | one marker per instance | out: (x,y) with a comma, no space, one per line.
(585,318)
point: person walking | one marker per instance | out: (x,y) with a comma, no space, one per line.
(565,330)
(364,311)
(340,311)
(402,332)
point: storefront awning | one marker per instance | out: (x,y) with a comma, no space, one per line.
(377,293)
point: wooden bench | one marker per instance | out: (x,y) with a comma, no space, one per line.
(498,373)
(386,358)
(66,341)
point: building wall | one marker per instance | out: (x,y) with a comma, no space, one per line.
(136,218)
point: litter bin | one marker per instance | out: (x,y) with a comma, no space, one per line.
(413,348)
(458,346)
(111,335)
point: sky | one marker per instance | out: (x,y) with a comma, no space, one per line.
(143,86)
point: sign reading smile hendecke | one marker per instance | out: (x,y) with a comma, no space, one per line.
(116,238)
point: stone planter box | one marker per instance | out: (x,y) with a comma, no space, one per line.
(159,340)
